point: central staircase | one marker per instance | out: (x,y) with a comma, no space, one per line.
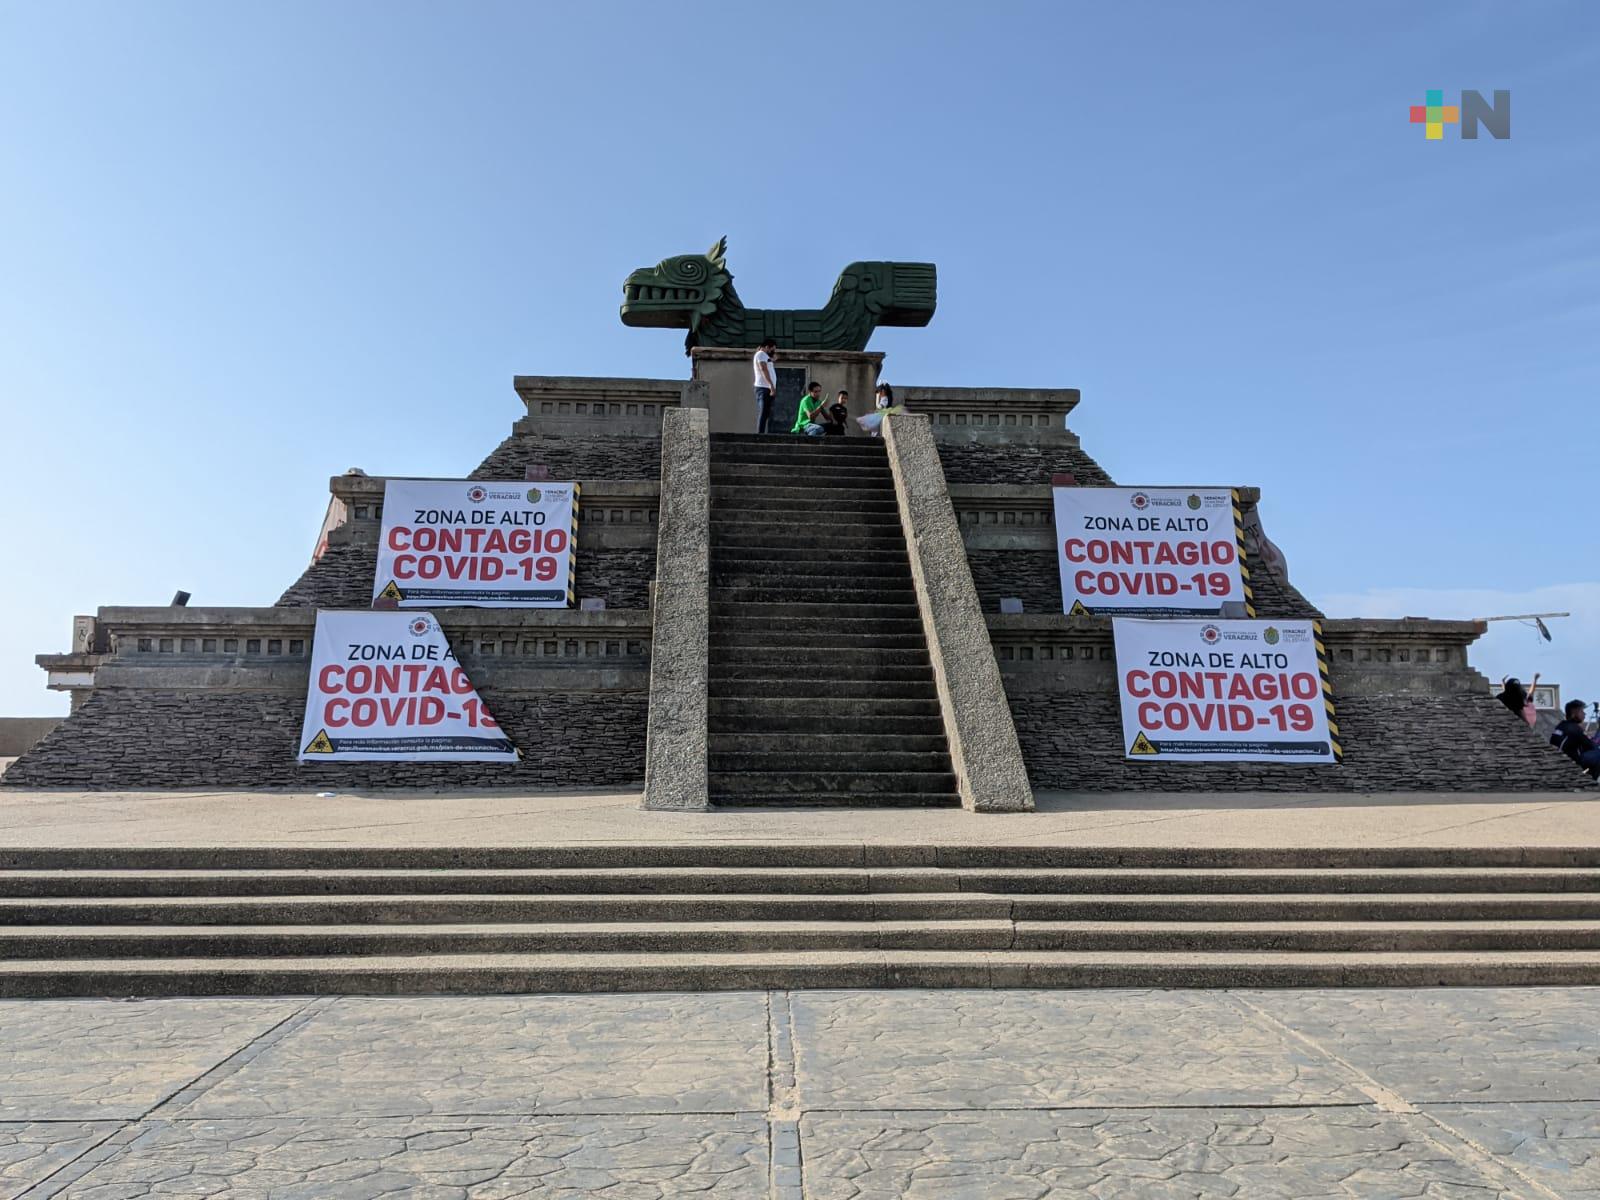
(821,691)
(199,921)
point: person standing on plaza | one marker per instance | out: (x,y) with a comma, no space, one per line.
(766,382)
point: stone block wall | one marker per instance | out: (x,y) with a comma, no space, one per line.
(1072,741)
(1413,716)
(213,698)
(573,457)
(1021,462)
(615,559)
(127,738)
(1009,531)
(584,427)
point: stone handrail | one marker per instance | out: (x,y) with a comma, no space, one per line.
(676,737)
(984,751)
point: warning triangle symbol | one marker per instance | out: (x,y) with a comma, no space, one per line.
(1078,610)
(320,744)
(391,592)
(1142,745)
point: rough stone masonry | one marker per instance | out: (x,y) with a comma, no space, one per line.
(194,698)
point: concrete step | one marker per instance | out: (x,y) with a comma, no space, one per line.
(755,613)
(760,709)
(845,669)
(765,562)
(873,589)
(784,458)
(863,780)
(828,754)
(824,509)
(821,598)
(270,941)
(825,720)
(726,440)
(844,633)
(734,571)
(1312,906)
(485,974)
(816,476)
(1317,937)
(732,852)
(411,908)
(799,497)
(772,541)
(809,562)
(830,800)
(817,520)
(727,657)
(792,448)
(1022,884)
(811,554)
(759,744)
(847,647)
(558,881)
(822,689)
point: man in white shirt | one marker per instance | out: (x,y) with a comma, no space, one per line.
(766,382)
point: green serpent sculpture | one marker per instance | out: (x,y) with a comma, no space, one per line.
(695,292)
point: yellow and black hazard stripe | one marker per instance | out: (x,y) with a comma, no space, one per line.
(1327,692)
(1244,564)
(572,547)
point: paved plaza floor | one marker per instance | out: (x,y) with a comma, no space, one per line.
(1402,819)
(1447,1093)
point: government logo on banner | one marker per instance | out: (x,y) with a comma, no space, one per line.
(1225,691)
(1152,552)
(386,687)
(486,545)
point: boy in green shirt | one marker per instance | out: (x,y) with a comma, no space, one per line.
(807,421)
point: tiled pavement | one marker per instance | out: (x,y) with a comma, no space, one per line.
(832,1094)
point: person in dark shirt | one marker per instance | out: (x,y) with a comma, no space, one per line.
(1519,699)
(1569,738)
(836,414)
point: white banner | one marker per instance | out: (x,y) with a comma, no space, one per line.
(1152,551)
(1225,691)
(385,687)
(487,545)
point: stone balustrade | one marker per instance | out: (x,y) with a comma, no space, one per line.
(993,414)
(596,406)
(271,647)
(1055,652)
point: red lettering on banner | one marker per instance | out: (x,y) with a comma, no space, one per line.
(1149,554)
(1220,685)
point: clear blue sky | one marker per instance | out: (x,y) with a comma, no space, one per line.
(245,246)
